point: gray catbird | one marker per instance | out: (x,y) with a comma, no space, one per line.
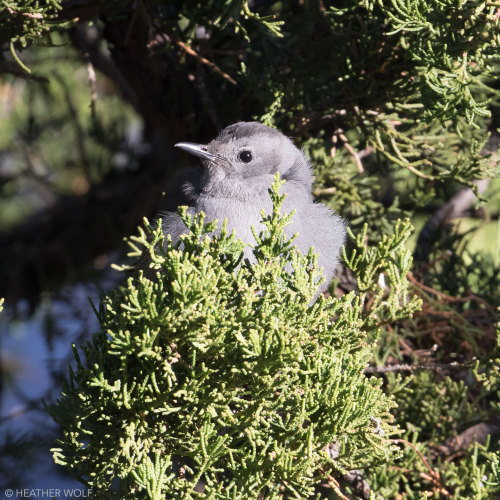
(240,164)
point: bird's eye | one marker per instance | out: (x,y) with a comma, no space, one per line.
(245,156)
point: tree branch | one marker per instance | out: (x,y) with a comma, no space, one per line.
(456,206)
(411,368)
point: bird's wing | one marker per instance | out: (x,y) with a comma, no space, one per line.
(183,189)
(325,231)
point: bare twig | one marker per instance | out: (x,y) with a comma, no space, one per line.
(310,122)
(93,86)
(103,63)
(433,475)
(450,298)
(334,485)
(32,15)
(333,149)
(324,191)
(190,51)
(411,368)
(352,152)
(364,152)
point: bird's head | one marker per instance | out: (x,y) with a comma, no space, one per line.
(253,152)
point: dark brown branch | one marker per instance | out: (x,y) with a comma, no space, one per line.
(411,368)
(457,205)
(186,48)
(89,47)
(434,475)
(351,151)
(450,298)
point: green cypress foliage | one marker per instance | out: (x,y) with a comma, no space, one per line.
(25,22)
(228,374)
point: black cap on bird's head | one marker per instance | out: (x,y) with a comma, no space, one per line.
(250,150)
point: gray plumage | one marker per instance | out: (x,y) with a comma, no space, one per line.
(239,167)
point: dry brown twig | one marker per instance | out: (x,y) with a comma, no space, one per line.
(93,85)
(333,149)
(358,156)
(433,476)
(32,15)
(334,485)
(324,191)
(351,150)
(190,51)
(204,61)
(450,298)
(411,368)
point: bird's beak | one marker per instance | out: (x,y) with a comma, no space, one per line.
(199,150)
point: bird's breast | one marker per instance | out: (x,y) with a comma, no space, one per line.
(240,215)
